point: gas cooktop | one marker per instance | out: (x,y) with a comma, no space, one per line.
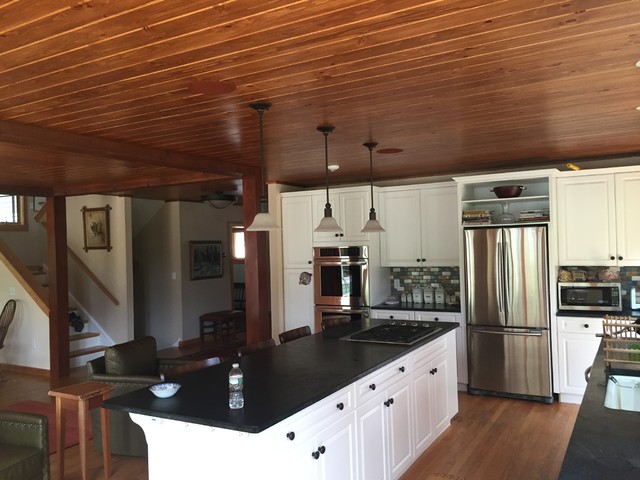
(394,334)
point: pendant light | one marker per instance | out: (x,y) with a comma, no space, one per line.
(263,221)
(372,225)
(328,223)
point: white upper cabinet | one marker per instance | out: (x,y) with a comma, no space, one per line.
(297,230)
(596,224)
(351,211)
(421,226)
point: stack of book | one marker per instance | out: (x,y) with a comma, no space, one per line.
(476,217)
(534,216)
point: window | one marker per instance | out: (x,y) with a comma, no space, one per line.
(13,212)
(237,243)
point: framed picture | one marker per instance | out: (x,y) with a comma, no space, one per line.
(206,259)
(95,222)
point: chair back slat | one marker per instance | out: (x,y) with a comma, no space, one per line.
(6,317)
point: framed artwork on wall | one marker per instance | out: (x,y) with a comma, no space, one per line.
(95,222)
(205,259)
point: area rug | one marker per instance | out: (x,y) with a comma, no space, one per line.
(71,433)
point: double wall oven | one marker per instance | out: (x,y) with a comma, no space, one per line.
(341,282)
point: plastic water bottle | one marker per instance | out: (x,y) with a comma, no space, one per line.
(236,399)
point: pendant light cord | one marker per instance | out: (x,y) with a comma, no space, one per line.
(326,130)
(371,146)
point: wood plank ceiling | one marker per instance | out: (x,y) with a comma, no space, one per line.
(132,95)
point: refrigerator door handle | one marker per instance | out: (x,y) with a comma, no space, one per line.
(526,333)
(500,275)
(506,250)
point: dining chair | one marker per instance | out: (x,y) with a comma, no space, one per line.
(294,333)
(254,347)
(334,321)
(6,317)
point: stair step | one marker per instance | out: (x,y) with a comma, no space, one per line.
(83,336)
(87,351)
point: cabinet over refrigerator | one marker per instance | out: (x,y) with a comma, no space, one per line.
(507,300)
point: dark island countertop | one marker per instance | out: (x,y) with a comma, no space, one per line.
(605,443)
(278,382)
(419,307)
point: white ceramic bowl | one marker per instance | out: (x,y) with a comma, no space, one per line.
(165,390)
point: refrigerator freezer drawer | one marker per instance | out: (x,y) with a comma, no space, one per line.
(510,361)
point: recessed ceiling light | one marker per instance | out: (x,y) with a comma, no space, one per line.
(638,108)
(333,168)
(390,150)
(638,64)
(208,86)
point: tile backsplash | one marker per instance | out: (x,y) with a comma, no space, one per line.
(410,277)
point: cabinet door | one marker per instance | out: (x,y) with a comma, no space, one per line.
(319,201)
(439,226)
(400,245)
(297,249)
(627,224)
(339,446)
(400,427)
(586,220)
(439,394)
(298,300)
(354,213)
(372,437)
(422,387)
(577,351)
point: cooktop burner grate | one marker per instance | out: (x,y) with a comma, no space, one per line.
(394,334)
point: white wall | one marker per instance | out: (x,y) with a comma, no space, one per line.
(166,307)
(27,342)
(113,268)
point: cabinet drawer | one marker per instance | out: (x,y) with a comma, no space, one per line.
(429,352)
(580,325)
(393,314)
(436,317)
(369,386)
(309,421)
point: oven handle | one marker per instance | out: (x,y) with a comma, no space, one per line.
(324,309)
(338,263)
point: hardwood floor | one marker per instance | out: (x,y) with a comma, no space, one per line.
(491,438)
(495,438)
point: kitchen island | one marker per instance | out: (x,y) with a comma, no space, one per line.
(604,443)
(317,407)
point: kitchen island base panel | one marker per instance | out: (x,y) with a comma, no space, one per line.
(322,441)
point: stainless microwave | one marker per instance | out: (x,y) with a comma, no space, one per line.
(590,296)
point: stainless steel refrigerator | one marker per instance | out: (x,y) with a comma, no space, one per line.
(507,304)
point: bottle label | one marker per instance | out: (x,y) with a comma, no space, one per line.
(235,381)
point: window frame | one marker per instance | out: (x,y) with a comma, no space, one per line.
(22,224)
(232,227)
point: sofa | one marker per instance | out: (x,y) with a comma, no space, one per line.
(24,446)
(127,366)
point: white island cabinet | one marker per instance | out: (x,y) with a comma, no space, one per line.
(371,429)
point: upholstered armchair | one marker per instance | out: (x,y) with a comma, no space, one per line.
(127,366)
(24,446)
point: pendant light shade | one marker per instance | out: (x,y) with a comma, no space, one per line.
(328,224)
(372,224)
(263,221)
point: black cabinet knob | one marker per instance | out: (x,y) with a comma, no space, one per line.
(372,386)
(315,454)
(390,317)
(586,325)
(291,435)
(612,257)
(433,371)
(386,403)
(340,406)
(417,260)
(401,369)
(619,257)
(309,262)
(436,319)
(321,449)
(336,235)
(424,259)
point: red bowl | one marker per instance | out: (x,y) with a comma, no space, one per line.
(508,191)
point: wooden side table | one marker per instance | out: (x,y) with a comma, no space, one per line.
(81,398)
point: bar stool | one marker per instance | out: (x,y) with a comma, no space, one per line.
(81,398)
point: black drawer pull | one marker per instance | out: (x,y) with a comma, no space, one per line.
(291,435)
(586,325)
(340,406)
(372,386)
(321,449)
(401,369)
(315,454)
